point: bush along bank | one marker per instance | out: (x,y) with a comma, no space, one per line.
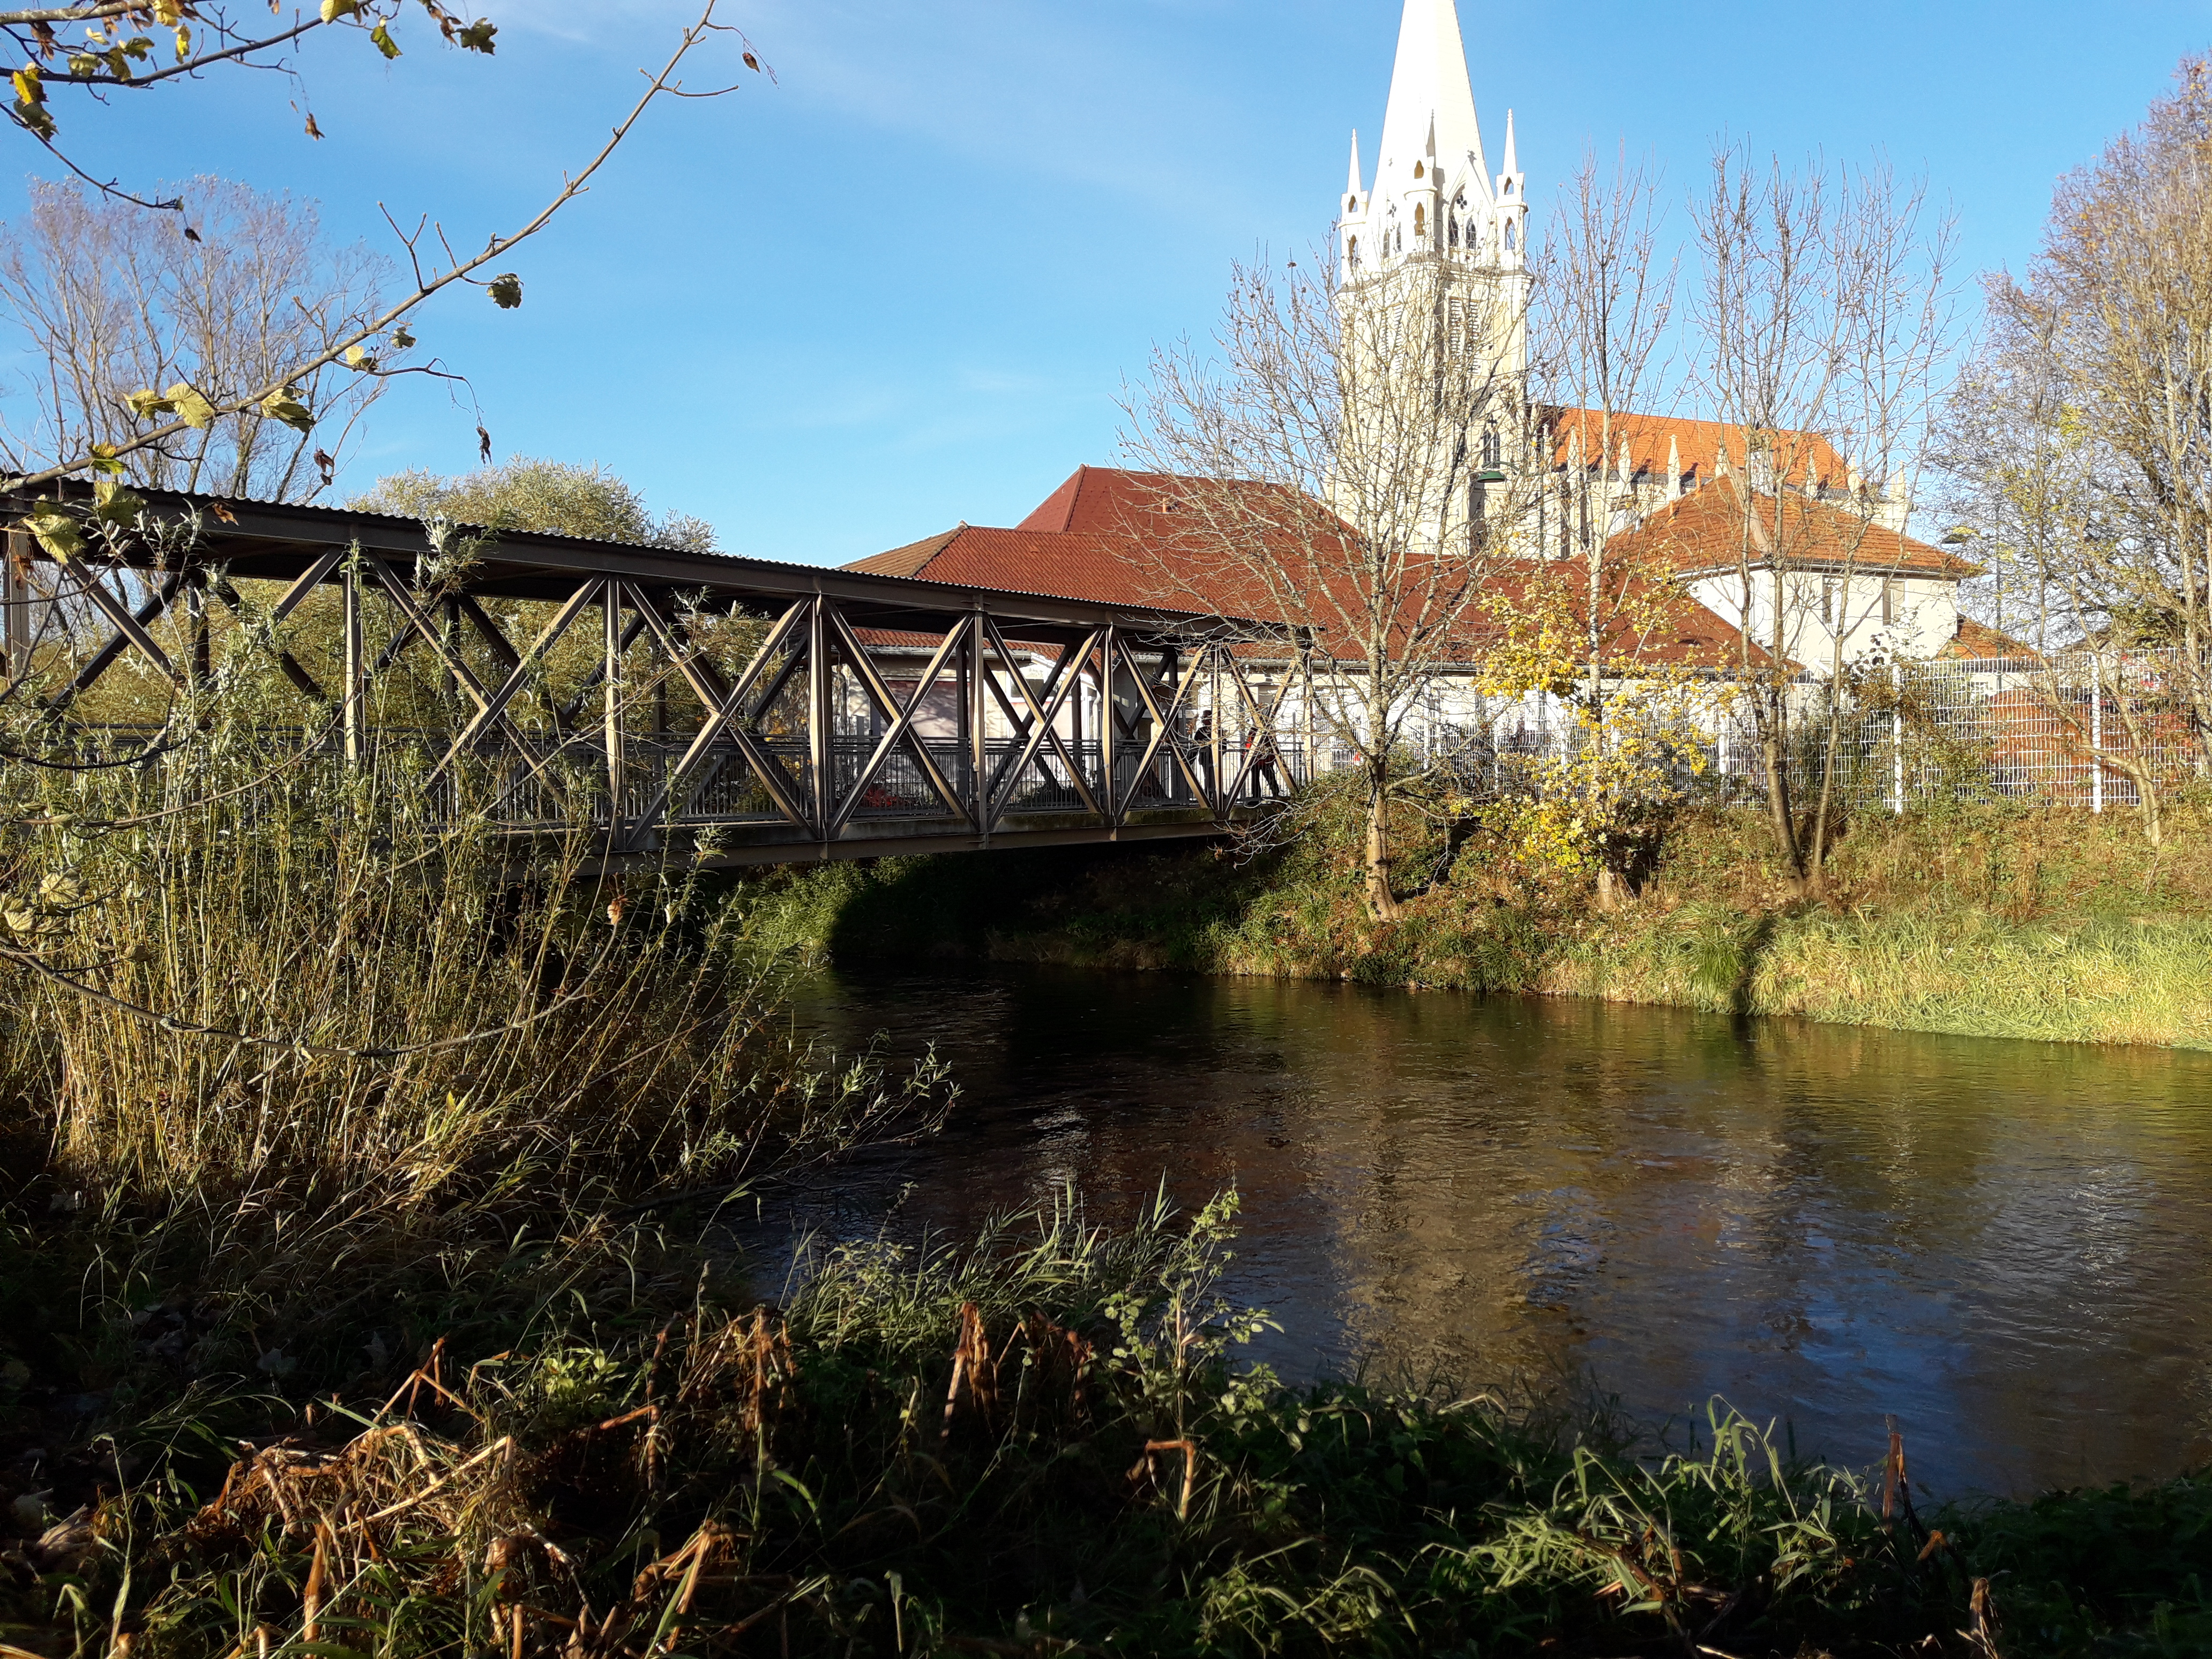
(1041,1443)
(1987,921)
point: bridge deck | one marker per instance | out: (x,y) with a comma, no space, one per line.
(726,710)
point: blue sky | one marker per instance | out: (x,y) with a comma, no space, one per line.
(901,286)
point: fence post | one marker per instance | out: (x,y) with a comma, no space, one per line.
(1897,739)
(2096,733)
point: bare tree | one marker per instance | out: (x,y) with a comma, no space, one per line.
(111,299)
(1824,316)
(1345,463)
(1604,297)
(2081,439)
(168,417)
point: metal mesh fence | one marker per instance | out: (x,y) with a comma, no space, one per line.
(2079,729)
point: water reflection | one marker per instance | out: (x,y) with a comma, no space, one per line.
(2004,1243)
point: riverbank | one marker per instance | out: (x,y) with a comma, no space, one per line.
(1041,1442)
(2054,925)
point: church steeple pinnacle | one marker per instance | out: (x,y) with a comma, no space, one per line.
(1431,108)
(1352,185)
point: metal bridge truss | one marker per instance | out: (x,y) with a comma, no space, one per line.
(875,715)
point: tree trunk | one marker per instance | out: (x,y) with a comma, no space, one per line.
(1612,889)
(1381,904)
(1776,762)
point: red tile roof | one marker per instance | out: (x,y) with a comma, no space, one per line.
(1697,445)
(1073,566)
(1117,537)
(1706,530)
(1978,641)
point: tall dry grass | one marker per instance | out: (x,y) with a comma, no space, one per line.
(279,1046)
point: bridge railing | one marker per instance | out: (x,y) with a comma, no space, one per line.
(549,684)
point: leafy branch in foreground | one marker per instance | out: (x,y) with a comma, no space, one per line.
(183,408)
(116,45)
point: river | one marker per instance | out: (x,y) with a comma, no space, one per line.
(2006,1244)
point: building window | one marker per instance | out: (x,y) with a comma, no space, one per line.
(1828,603)
(1889,600)
(1509,236)
(1421,221)
(1492,450)
(1352,254)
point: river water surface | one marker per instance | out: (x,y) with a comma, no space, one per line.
(2008,1245)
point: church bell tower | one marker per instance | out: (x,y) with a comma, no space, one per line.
(1436,204)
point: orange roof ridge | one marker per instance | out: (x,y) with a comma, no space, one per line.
(909,560)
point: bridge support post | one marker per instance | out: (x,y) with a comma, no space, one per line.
(1215,714)
(351,694)
(16,607)
(978,751)
(611,619)
(820,751)
(1109,795)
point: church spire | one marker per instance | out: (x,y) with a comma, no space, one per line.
(1431,100)
(1511,165)
(1352,186)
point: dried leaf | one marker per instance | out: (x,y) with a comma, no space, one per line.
(334,9)
(31,102)
(146,404)
(116,504)
(282,406)
(507,291)
(384,43)
(313,132)
(190,407)
(56,529)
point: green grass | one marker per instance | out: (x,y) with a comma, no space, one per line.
(1988,921)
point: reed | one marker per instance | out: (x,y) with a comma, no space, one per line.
(1043,1441)
(292,1068)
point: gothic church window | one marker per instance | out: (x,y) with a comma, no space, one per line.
(1421,221)
(1509,236)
